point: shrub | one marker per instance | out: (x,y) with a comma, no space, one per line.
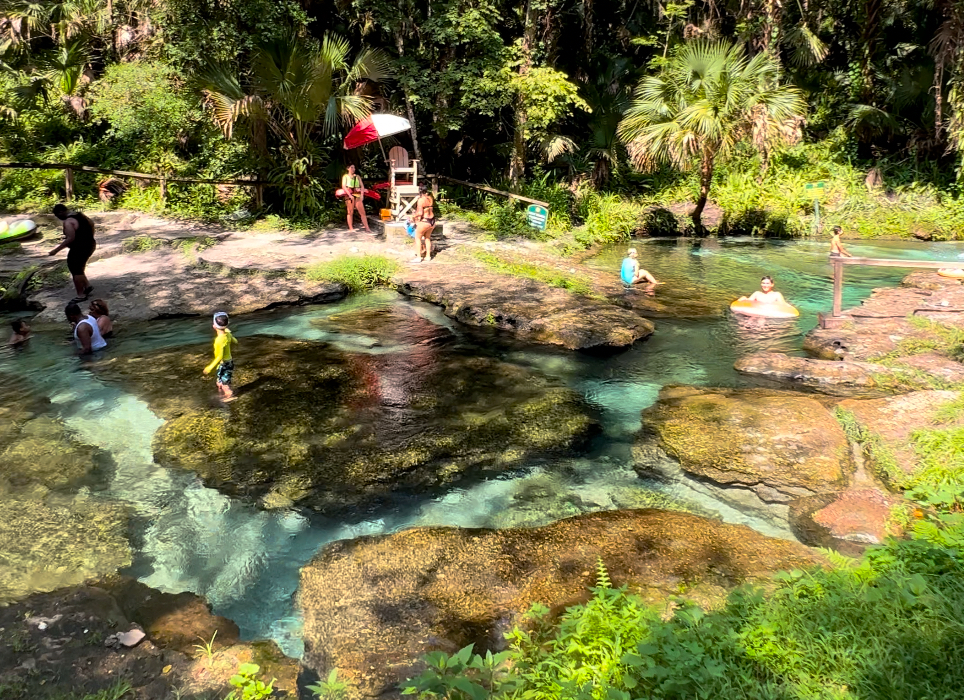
(358,272)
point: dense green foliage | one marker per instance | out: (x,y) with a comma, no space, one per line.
(889,626)
(497,89)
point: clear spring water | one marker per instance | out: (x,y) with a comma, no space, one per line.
(246,561)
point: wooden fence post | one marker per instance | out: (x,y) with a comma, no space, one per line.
(434,187)
(69,183)
(163,191)
(259,195)
(837,287)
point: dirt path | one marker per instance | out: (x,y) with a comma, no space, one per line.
(148,267)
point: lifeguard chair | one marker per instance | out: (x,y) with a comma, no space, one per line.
(402,182)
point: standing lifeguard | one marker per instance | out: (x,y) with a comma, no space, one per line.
(354,189)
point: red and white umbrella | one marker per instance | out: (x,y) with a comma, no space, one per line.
(375,128)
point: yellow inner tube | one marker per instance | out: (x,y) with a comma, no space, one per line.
(755,308)
(952,272)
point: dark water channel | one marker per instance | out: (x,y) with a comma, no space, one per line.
(245,559)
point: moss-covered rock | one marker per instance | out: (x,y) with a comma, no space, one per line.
(780,444)
(53,541)
(374,605)
(336,430)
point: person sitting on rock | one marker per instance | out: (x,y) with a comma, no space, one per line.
(86,331)
(99,311)
(21,332)
(631,272)
(836,245)
(767,295)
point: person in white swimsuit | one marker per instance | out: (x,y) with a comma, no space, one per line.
(86,332)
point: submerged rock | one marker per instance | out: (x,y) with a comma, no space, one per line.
(374,605)
(335,430)
(780,445)
(53,541)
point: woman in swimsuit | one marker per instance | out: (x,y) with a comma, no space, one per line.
(424,224)
(354,197)
(100,312)
(766,295)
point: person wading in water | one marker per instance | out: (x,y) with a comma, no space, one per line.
(354,189)
(79,238)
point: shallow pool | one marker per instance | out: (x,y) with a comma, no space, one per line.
(245,560)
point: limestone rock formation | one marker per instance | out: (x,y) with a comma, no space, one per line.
(827,376)
(895,418)
(57,645)
(374,605)
(781,445)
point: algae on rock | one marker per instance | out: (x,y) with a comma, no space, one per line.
(335,430)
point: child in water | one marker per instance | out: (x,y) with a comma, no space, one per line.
(836,245)
(222,356)
(766,295)
(21,332)
(631,272)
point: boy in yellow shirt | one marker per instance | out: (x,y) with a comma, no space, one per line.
(222,356)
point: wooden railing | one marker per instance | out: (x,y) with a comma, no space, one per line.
(483,188)
(69,169)
(838,278)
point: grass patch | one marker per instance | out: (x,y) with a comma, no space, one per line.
(357,272)
(143,244)
(553,278)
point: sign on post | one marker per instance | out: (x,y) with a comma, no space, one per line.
(537,216)
(816,190)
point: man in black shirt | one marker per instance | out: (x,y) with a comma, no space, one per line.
(79,238)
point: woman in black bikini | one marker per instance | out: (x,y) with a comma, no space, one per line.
(354,196)
(424,224)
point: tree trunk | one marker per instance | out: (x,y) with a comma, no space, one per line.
(399,42)
(706,179)
(517,164)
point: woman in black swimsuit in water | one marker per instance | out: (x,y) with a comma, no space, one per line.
(424,224)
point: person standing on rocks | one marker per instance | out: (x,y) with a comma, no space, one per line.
(79,238)
(222,356)
(836,245)
(354,189)
(424,224)
(86,332)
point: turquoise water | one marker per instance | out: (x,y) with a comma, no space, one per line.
(187,536)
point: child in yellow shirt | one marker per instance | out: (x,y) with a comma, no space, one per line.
(222,356)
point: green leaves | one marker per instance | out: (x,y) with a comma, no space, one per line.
(247,686)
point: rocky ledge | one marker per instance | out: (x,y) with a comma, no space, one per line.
(374,605)
(92,638)
(529,309)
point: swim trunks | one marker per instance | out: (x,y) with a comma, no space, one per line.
(225,372)
(78,256)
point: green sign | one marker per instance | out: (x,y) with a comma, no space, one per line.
(537,216)
(816,189)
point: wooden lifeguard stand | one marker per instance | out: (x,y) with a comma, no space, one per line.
(402,182)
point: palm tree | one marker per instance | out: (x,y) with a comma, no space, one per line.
(294,91)
(708,98)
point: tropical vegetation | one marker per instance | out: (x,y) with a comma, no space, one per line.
(682,103)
